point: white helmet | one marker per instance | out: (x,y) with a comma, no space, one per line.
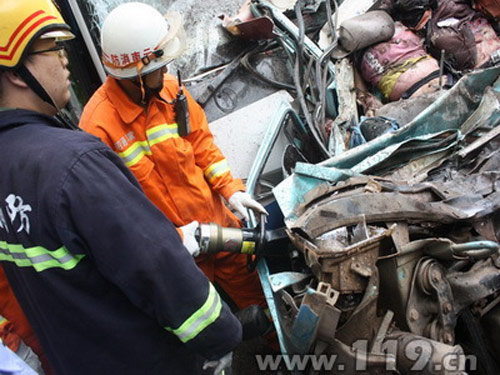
(136,39)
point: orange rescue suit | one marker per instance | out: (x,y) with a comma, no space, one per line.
(184,177)
(18,326)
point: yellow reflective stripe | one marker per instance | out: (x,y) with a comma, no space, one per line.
(139,149)
(216,169)
(160,133)
(135,153)
(38,257)
(3,320)
(201,319)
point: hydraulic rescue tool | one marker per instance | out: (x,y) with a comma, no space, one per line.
(213,239)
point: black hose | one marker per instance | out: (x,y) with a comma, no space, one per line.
(300,42)
(331,24)
(321,73)
(298,69)
(245,62)
(305,110)
(291,58)
(307,80)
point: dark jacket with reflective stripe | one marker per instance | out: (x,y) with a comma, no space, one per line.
(100,272)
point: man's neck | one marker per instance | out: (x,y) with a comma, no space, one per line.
(132,91)
(26,100)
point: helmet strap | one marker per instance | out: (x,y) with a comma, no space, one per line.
(139,67)
(34,85)
(146,92)
(143,90)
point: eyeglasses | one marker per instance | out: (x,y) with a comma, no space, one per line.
(59,49)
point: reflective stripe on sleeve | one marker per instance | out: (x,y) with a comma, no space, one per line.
(135,153)
(38,257)
(216,169)
(160,133)
(201,319)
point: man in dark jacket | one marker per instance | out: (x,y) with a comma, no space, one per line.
(100,272)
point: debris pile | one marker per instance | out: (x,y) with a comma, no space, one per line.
(391,190)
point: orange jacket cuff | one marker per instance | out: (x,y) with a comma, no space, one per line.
(230,189)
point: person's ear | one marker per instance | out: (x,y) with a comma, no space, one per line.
(15,79)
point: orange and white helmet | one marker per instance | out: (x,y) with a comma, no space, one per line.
(136,40)
(23,21)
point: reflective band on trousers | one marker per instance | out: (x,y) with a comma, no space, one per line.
(216,170)
(38,257)
(157,134)
(201,319)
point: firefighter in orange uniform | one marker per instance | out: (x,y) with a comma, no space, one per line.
(185,176)
(16,332)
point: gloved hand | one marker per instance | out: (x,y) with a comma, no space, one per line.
(189,241)
(220,365)
(239,201)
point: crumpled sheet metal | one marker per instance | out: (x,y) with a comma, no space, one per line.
(345,269)
(401,153)
(395,155)
(482,123)
(375,208)
(449,112)
(488,112)
(466,198)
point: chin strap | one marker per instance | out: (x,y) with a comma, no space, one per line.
(65,121)
(31,81)
(38,89)
(147,93)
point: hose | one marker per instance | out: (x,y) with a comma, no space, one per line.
(298,85)
(245,62)
(321,73)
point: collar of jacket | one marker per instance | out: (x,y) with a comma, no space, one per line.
(126,108)
(17,117)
